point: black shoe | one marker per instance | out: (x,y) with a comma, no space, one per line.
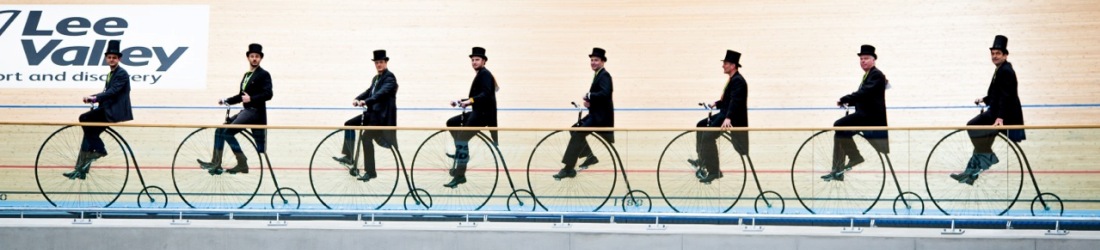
(589,161)
(565,173)
(711,177)
(344,160)
(455,181)
(700,173)
(216,171)
(366,176)
(834,176)
(353,171)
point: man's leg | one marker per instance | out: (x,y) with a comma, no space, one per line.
(369,137)
(844,147)
(709,156)
(346,151)
(462,146)
(697,163)
(576,147)
(982,157)
(246,116)
(91,146)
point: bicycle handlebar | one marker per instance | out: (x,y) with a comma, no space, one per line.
(707,106)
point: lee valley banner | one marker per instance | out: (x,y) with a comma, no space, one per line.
(61,46)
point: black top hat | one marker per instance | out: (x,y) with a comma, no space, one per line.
(255,48)
(380,55)
(112,48)
(479,52)
(733,57)
(867,49)
(1000,42)
(598,52)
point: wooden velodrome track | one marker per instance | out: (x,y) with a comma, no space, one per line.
(664,56)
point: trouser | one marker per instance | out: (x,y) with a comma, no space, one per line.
(384,138)
(91,141)
(982,139)
(462,138)
(224,136)
(844,146)
(578,146)
(706,142)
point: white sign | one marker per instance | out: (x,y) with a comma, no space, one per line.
(61,46)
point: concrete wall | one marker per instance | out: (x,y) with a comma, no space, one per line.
(113,234)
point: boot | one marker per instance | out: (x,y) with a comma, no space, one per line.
(986,160)
(215,161)
(968,176)
(461,159)
(589,161)
(455,181)
(81,161)
(848,145)
(566,172)
(242,164)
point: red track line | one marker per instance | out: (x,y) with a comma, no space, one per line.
(1056,172)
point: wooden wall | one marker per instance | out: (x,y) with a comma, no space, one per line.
(662,54)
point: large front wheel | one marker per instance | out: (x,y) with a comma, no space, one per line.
(434,165)
(587,192)
(203,188)
(857,193)
(105,177)
(993,193)
(679,183)
(336,183)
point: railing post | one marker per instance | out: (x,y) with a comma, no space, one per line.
(180,221)
(1057,230)
(372,222)
(561,223)
(656,224)
(753,227)
(82,220)
(467,223)
(277,222)
(852,227)
(952,230)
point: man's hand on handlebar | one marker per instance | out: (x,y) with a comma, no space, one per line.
(89,99)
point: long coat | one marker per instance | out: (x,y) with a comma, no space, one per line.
(484,98)
(734,103)
(601,109)
(1004,100)
(115,98)
(870,98)
(381,97)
